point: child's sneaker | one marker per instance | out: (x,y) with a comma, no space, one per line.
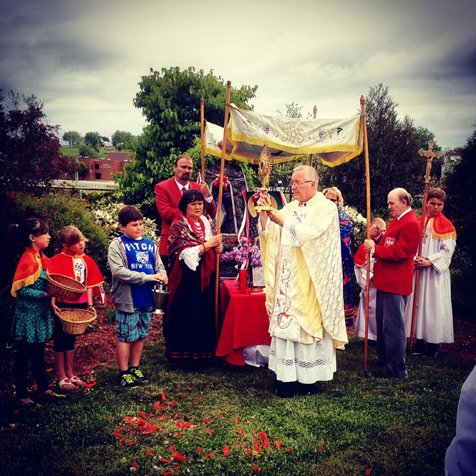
(137,373)
(128,380)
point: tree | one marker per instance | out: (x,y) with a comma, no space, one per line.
(393,157)
(29,147)
(94,139)
(121,137)
(72,137)
(87,151)
(460,186)
(170,101)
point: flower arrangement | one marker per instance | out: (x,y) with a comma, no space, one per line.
(359,226)
(238,255)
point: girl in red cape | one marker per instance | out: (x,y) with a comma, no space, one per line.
(32,319)
(73,263)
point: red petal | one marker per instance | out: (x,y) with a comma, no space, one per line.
(135,465)
(236,421)
(206,420)
(278,444)
(226,450)
(368,471)
(122,440)
(320,448)
(209,431)
(209,455)
(256,468)
(142,414)
(288,450)
(164,460)
(168,473)
(163,397)
(150,453)
(199,450)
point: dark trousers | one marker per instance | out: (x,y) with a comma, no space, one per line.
(391,338)
(165,261)
(34,351)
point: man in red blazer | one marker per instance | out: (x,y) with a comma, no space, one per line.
(394,253)
(168,194)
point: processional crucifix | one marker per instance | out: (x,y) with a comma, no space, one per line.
(430,155)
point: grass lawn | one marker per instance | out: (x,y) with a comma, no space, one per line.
(222,421)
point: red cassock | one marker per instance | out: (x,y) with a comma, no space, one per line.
(167,198)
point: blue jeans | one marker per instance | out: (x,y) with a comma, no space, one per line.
(391,338)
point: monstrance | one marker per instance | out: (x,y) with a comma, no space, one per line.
(264,171)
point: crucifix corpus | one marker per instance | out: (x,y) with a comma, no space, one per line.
(430,154)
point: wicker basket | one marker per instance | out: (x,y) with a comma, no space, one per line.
(76,321)
(64,288)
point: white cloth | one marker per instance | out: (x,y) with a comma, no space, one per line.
(304,296)
(256,355)
(461,455)
(190,255)
(434,316)
(309,363)
(361,278)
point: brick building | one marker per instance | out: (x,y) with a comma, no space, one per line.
(102,169)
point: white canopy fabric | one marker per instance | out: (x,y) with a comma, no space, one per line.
(335,141)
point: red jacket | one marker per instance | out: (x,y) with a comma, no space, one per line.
(167,198)
(393,269)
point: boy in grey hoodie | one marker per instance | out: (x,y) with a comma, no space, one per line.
(135,266)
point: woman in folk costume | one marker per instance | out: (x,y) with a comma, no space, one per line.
(334,195)
(73,263)
(32,319)
(189,326)
(434,315)
(360,269)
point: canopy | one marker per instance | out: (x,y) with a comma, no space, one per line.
(335,141)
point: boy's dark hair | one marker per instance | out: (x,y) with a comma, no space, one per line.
(129,213)
(190,196)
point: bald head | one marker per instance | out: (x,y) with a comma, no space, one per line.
(399,201)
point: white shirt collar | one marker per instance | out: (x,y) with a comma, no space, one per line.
(404,213)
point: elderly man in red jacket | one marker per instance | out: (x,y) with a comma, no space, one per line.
(168,194)
(394,253)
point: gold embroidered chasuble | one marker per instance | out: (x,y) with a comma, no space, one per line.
(303,273)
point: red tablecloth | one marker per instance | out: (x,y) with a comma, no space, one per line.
(245,322)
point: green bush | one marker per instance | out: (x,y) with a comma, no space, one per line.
(60,209)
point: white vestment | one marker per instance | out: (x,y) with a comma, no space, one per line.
(361,278)
(434,316)
(304,296)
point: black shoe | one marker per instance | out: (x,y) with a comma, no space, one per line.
(419,347)
(137,373)
(128,380)
(285,389)
(431,350)
(375,362)
(308,388)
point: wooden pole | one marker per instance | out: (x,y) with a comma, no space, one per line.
(314,112)
(369,219)
(202,129)
(220,197)
(430,155)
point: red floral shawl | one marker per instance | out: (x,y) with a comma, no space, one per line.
(180,238)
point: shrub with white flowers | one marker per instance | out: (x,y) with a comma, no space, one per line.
(107,218)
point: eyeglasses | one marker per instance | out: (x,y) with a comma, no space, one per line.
(298,184)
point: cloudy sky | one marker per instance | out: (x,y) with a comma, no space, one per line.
(85,58)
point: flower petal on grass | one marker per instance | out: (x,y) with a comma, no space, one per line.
(134,464)
(226,450)
(209,431)
(150,453)
(235,420)
(176,455)
(208,455)
(256,468)
(278,444)
(164,460)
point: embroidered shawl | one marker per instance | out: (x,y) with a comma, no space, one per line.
(180,238)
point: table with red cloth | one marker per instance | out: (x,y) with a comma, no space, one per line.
(245,322)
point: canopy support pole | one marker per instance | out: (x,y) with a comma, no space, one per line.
(314,112)
(369,219)
(202,132)
(220,198)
